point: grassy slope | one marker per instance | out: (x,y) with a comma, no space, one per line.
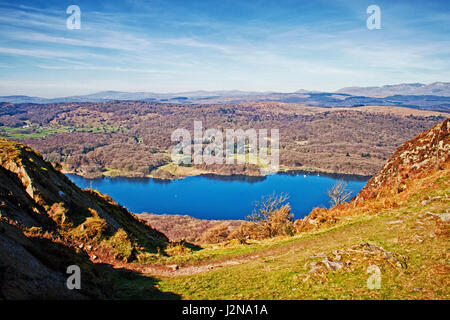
(277,269)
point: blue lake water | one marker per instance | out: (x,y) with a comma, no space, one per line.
(217,197)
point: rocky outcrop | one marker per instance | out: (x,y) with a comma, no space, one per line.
(47,224)
(425,156)
(43,183)
(416,158)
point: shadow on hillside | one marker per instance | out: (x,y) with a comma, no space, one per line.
(42,272)
(132,285)
(191,246)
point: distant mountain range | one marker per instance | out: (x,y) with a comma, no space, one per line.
(441,89)
(434,96)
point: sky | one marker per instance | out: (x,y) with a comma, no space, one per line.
(176,46)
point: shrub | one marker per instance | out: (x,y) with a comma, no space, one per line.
(120,245)
(146,258)
(240,233)
(177,248)
(252,230)
(216,234)
(281,222)
(271,217)
(93,229)
(58,213)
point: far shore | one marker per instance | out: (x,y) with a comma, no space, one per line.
(220,176)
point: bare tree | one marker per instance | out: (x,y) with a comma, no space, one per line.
(272,216)
(266,206)
(338,193)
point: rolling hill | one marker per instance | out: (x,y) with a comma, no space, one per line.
(133,138)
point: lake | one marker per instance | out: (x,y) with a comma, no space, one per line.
(218,197)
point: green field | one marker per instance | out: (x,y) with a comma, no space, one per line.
(42,132)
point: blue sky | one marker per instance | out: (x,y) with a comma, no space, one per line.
(175,46)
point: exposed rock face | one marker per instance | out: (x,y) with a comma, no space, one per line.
(429,151)
(426,155)
(45,225)
(44,184)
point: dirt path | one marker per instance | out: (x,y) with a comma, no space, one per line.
(206,266)
(171,270)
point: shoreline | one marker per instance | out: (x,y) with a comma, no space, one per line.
(219,176)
